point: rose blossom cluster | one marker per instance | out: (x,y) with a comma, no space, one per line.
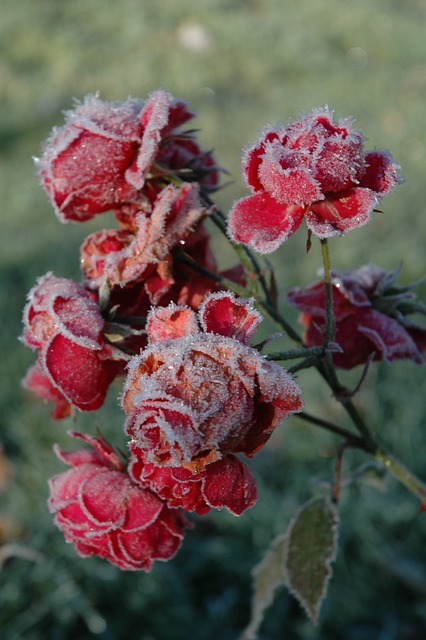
(196,395)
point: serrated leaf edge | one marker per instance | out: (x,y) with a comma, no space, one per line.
(312,615)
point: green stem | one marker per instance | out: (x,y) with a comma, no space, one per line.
(328,284)
(351,438)
(292,354)
(402,474)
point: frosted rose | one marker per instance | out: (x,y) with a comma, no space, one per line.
(195,395)
(102,512)
(226,483)
(120,257)
(113,155)
(370,317)
(64,324)
(314,169)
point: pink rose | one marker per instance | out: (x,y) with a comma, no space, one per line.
(102,512)
(370,317)
(64,324)
(196,394)
(114,155)
(315,169)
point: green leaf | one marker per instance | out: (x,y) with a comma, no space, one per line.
(268,575)
(310,550)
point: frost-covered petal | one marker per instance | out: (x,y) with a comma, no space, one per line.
(83,162)
(102,498)
(381,172)
(120,257)
(193,399)
(81,375)
(291,186)
(338,161)
(229,484)
(167,323)
(370,317)
(341,212)
(389,337)
(318,167)
(103,512)
(262,222)
(154,118)
(226,315)
(39,383)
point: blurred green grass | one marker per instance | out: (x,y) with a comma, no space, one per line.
(239,64)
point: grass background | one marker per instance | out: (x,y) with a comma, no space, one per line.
(240,64)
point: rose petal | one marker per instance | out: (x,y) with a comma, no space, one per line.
(262,222)
(338,213)
(167,323)
(224,314)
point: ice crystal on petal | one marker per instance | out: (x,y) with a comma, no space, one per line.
(167,323)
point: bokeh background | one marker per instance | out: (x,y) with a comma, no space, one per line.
(240,64)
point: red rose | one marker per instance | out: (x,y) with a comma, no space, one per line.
(193,396)
(370,317)
(64,323)
(102,512)
(315,169)
(114,155)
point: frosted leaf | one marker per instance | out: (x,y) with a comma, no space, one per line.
(268,576)
(311,548)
